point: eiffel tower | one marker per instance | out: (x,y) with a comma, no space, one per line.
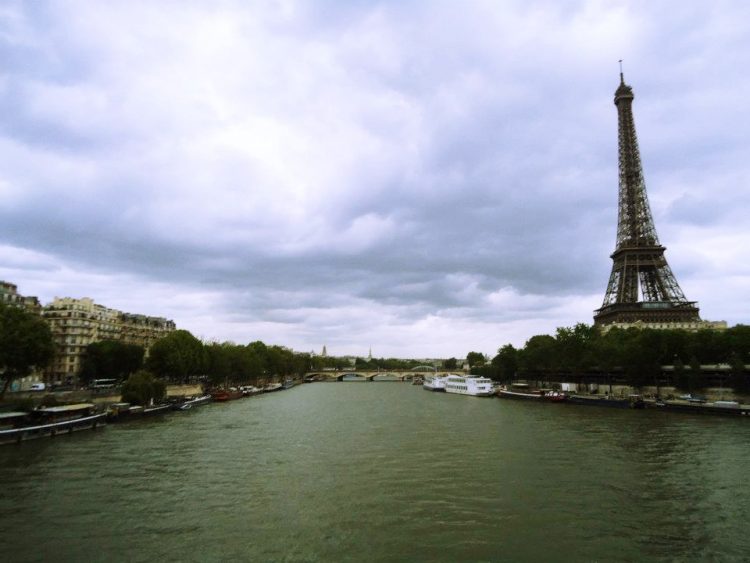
(641,286)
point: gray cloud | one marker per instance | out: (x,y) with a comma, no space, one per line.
(411,176)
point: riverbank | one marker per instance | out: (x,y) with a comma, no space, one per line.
(89,396)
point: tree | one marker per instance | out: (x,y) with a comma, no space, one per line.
(111,359)
(141,388)
(217,363)
(538,355)
(506,362)
(255,363)
(646,357)
(574,346)
(177,355)
(475,359)
(607,353)
(709,346)
(25,343)
(738,341)
(738,376)
(450,363)
(280,360)
(695,377)
(680,380)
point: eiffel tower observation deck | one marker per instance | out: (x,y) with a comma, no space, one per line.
(642,288)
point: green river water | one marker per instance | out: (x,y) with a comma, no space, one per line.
(383,472)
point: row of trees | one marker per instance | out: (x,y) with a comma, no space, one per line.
(27,345)
(180,357)
(637,355)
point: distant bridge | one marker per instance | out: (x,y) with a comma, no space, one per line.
(361,375)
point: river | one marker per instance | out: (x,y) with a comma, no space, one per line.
(383,472)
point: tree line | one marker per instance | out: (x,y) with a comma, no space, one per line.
(632,356)
(180,357)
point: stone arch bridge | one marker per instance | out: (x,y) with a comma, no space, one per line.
(386,375)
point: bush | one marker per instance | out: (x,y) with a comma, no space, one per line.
(142,387)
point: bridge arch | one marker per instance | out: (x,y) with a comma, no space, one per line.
(386,376)
(351,376)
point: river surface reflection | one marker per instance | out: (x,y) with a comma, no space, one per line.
(383,472)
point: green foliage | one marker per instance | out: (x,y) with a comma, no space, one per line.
(635,354)
(236,364)
(142,387)
(25,343)
(538,356)
(364,365)
(111,359)
(506,362)
(450,363)
(680,379)
(695,379)
(738,375)
(280,360)
(488,370)
(640,358)
(475,359)
(574,348)
(177,355)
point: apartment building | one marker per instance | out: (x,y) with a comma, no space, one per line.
(10,296)
(76,323)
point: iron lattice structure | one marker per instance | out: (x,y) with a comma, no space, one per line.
(641,286)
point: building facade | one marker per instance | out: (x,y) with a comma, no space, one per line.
(76,323)
(10,296)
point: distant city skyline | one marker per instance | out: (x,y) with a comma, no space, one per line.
(417,177)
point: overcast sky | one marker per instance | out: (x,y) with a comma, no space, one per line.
(424,178)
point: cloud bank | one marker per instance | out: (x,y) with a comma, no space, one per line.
(420,177)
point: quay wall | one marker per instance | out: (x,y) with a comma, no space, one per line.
(88,396)
(710,393)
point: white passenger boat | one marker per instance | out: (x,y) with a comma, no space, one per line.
(469,385)
(434,383)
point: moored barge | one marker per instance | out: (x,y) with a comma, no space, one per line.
(49,422)
(719,408)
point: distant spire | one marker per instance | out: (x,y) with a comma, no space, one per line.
(622,78)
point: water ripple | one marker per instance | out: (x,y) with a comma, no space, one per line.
(383,472)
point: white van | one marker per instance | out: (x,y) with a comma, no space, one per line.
(37,387)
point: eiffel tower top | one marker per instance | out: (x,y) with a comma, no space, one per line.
(623,92)
(635,223)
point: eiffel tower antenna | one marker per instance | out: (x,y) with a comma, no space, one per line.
(641,286)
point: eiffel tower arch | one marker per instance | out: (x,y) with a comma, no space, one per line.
(642,287)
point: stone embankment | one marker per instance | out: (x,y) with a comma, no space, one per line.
(172,391)
(88,396)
